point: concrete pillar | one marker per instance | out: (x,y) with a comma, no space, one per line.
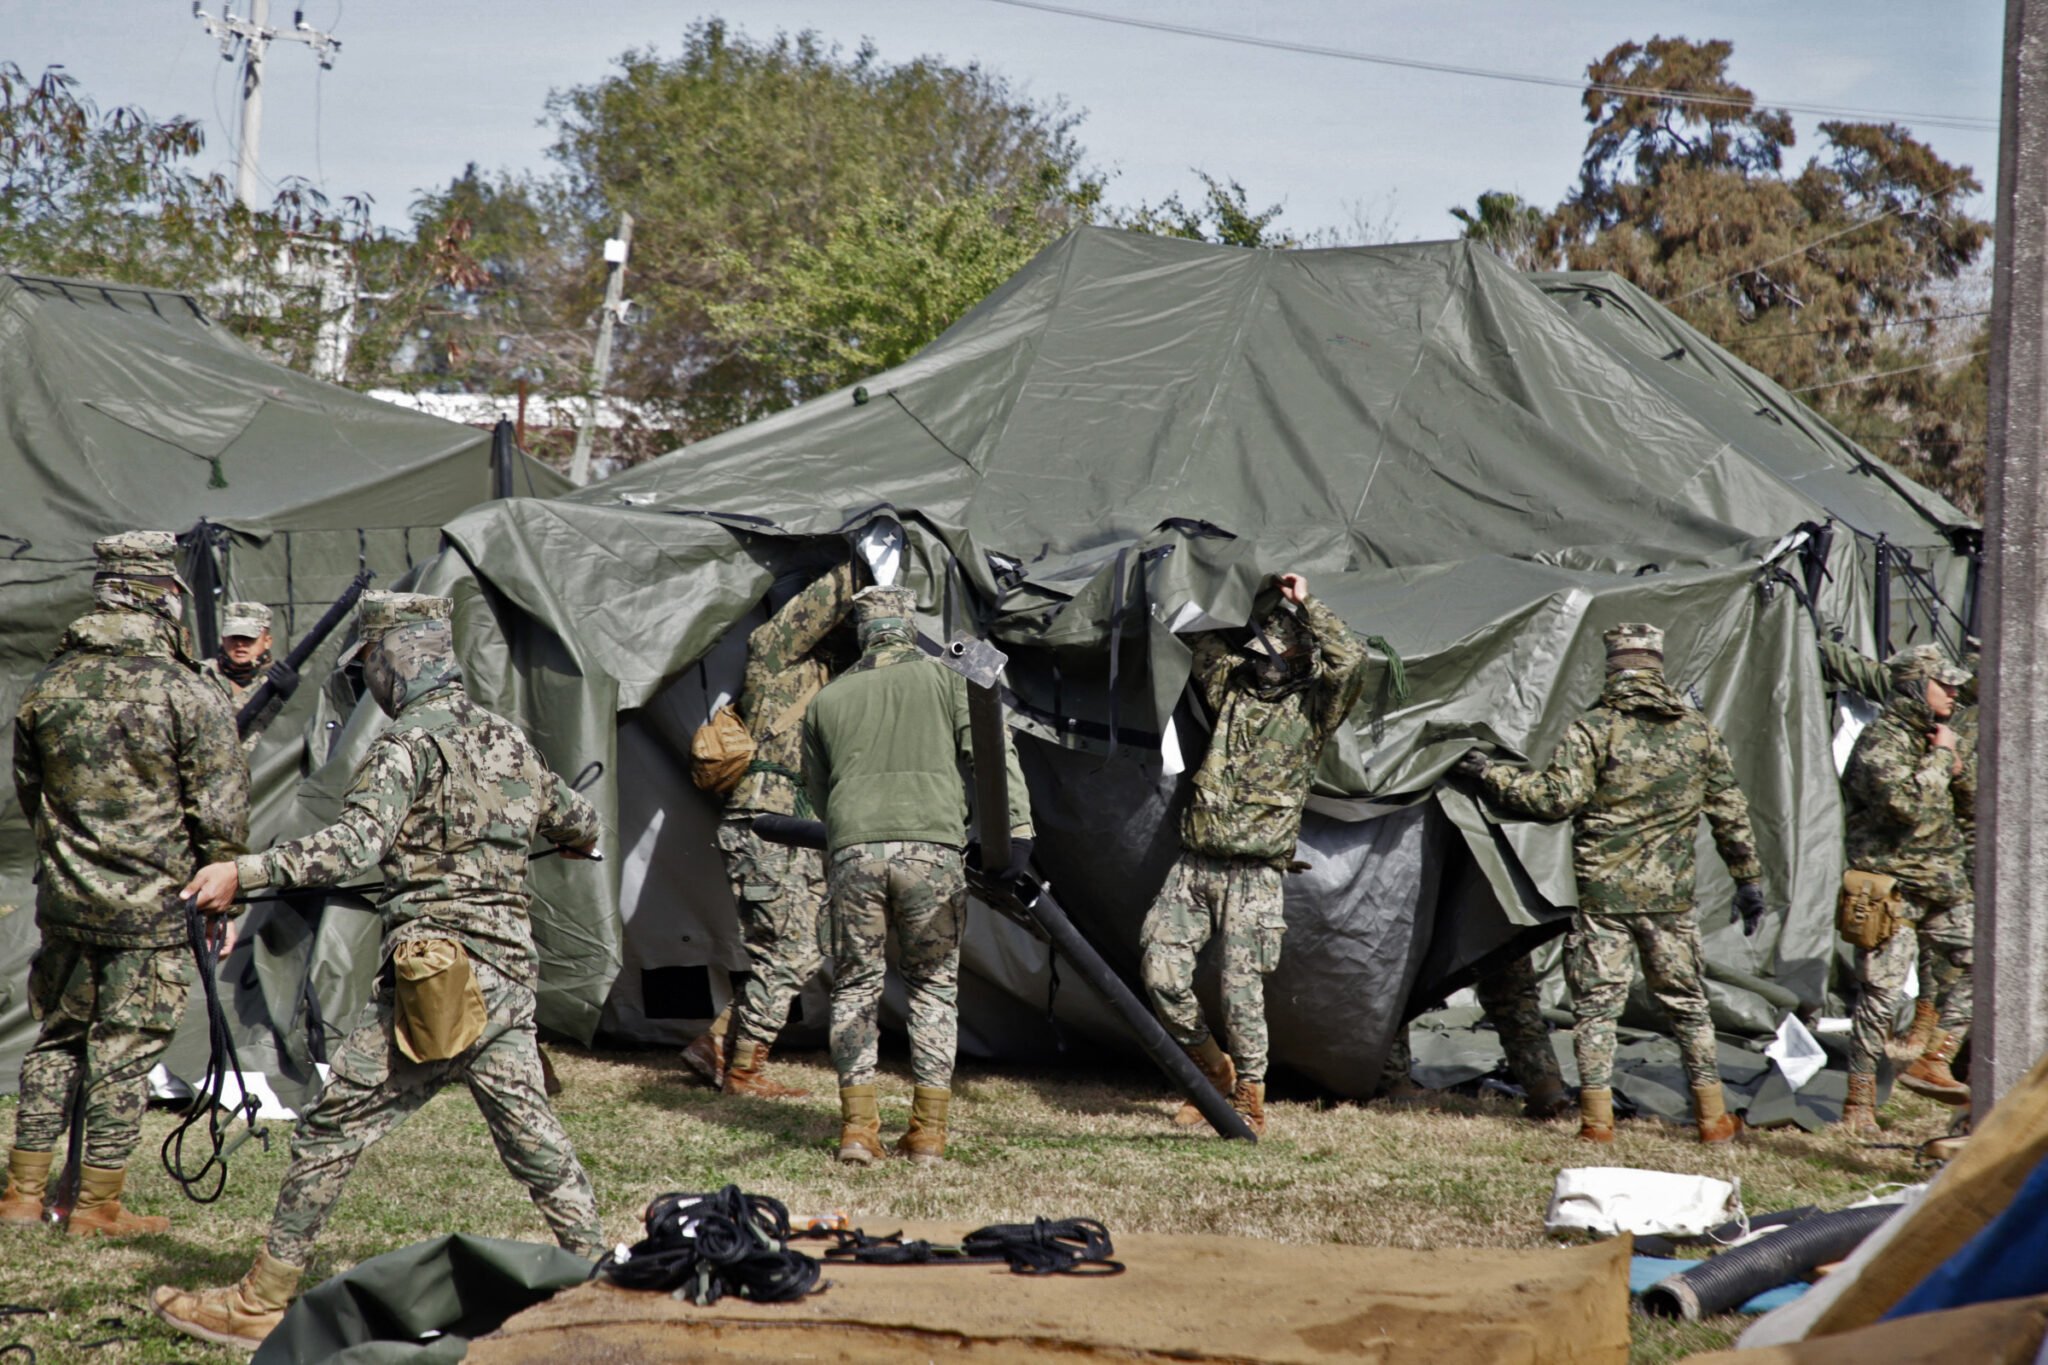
(2012,857)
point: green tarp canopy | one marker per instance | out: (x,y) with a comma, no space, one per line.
(125,408)
(1113,450)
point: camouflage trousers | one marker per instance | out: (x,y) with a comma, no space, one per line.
(1943,937)
(375,1087)
(1513,1002)
(918,890)
(1236,900)
(779,892)
(108,1014)
(1599,967)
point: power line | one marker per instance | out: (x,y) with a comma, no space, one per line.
(1961,122)
(1803,247)
(1889,322)
(1886,374)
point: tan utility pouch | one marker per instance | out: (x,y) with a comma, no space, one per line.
(1868,914)
(721,751)
(439,1010)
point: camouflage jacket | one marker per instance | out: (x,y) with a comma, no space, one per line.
(1902,815)
(1262,755)
(127,767)
(447,802)
(236,695)
(1855,670)
(884,748)
(1634,775)
(785,668)
(1964,786)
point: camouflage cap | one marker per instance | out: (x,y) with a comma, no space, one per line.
(245,619)
(884,604)
(138,554)
(1635,637)
(380,613)
(1925,662)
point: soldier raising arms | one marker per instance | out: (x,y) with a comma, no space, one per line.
(1634,775)
(448,801)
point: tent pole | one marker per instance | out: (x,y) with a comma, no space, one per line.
(205,589)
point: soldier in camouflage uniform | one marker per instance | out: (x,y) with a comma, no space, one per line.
(243,664)
(1512,1000)
(1634,775)
(778,890)
(1901,822)
(127,769)
(884,745)
(448,801)
(1276,699)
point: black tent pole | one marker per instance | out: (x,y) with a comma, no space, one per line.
(205,585)
(503,452)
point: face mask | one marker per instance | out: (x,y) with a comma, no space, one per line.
(382,681)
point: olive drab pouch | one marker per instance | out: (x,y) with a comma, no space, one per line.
(1869,912)
(438,1009)
(721,751)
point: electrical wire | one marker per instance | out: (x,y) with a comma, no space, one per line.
(1889,322)
(1805,247)
(1886,374)
(1961,122)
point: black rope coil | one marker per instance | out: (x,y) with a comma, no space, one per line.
(207,1102)
(704,1246)
(1044,1246)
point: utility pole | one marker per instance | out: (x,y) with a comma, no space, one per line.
(615,250)
(253,36)
(2011,959)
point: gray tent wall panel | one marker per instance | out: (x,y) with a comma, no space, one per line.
(123,408)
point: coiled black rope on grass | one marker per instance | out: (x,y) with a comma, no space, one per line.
(207,1100)
(705,1246)
(1044,1246)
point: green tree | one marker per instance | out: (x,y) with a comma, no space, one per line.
(111,193)
(743,160)
(1820,277)
(1224,216)
(1511,226)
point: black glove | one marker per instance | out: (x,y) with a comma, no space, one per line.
(1473,764)
(1020,859)
(1748,908)
(284,678)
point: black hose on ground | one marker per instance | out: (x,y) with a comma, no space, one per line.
(1738,1275)
(1653,1244)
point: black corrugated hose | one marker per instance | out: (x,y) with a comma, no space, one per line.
(1734,1277)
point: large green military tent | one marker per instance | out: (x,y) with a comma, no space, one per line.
(124,408)
(1113,450)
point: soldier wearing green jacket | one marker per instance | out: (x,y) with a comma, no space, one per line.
(127,769)
(1275,700)
(779,890)
(1634,775)
(447,803)
(884,746)
(1901,822)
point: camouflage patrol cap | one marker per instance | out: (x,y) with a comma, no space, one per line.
(881,604)
(1925,663)
(245,619)
(380,613)
(138,554)
(1634,644)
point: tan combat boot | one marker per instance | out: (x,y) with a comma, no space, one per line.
(28,1176)
(747,1074)
(1930,1075)
(98,1212)
(925,1143)
(706,1053)
(1249,1099)
(1921,1036)
(239,1315)
(1859,1111)
(860,1125)
(1717,1126)
(1596,1113)
(1214,1063)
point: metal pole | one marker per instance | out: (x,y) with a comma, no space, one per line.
(601,363)
(252,103)
(2011,961)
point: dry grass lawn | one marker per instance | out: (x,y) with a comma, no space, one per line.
(1091,1140)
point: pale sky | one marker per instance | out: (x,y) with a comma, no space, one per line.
(422,87)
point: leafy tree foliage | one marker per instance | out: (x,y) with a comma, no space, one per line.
(1224,216)
(1511,226)
(1821,276)
(112,194)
